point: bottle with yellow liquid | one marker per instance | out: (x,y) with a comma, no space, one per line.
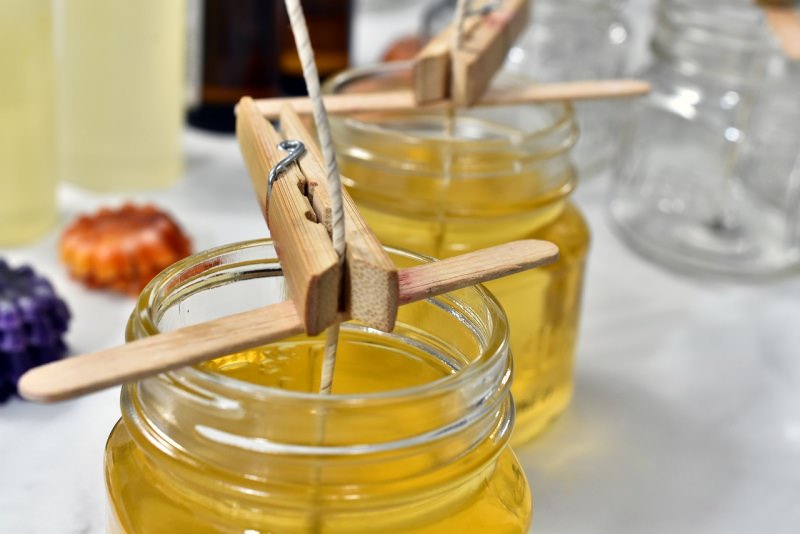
(443,184)
(413,438)
(27,146)
(120,92)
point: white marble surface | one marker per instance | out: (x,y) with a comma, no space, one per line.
(686,416)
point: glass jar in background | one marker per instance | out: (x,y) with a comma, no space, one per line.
(768,165)
(27,142)
(120,71)
(233,53)
(569,40)
(413,438)
(678,197)
(329,25)
(443,185)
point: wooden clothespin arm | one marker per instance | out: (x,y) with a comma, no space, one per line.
(365,285)
(310,264)
(371,286)
(463,74)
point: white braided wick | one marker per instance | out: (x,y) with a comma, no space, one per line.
(311,76)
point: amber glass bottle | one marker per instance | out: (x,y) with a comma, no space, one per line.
(329,24)
(238,49)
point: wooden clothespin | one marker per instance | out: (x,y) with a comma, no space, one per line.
(365,286)
(462,74)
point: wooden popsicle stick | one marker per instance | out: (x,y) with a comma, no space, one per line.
(484,265)
(484,50)
(312,267)
(190,345)
(371,284)
(785,23)
(403,100)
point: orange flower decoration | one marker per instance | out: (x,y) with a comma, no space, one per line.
(122,249)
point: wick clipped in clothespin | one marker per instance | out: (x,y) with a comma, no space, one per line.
(370,290)
(311,266)
(298,212)
(460,62)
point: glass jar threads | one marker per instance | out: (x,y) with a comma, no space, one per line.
(679,196)
(442,184)
(413,438)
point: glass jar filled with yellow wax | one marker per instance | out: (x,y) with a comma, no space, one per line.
(412,439)
(443,183)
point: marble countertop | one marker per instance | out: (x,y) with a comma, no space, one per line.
(686,416)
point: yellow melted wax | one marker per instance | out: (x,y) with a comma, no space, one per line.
(448,200)
(492,497)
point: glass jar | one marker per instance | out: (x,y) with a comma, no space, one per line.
(768,166)
(677,197)
(413,438)
(120,92)
(443,185)
(27,143)
(597,47)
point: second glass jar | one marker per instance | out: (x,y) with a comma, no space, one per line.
(443,184)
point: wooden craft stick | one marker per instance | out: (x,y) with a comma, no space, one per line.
(190,345)
(484,50)
(313,271)
(785,23)
(472,268)
(403,100)
(371,286)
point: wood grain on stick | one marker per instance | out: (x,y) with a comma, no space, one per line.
(149,356)
(403,100)
(310,264)
(417,283)
(84,374)
(371,285)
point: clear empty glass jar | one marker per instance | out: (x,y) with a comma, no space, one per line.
(680,196)
(768,165)
(442,185)
(571,40)
(413,438)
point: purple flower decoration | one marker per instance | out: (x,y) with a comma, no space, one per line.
(33,320)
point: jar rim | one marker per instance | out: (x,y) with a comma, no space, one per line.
(566,117)
(496,344)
